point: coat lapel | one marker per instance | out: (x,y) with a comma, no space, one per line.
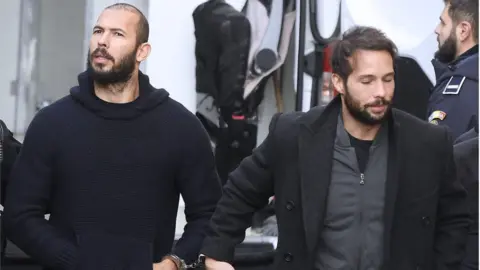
(391,188)
(316,142)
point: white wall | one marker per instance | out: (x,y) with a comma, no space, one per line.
(55,67)
(171,64)
(60,48)
(9,27)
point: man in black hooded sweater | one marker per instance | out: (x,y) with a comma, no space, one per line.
(109,162)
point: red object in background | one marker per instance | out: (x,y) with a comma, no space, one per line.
(327,67)
(326,59)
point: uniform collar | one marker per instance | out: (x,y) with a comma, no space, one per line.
(466,54)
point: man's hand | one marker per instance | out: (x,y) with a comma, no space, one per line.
(211,264)
(165,265)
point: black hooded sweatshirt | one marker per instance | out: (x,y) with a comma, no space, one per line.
(111,176)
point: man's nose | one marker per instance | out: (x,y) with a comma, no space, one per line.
(380,89)
(437,30)
(103,41)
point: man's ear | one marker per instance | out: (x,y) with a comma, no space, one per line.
(338,83)
(464,31)
(143,51)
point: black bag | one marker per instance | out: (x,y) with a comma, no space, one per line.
(222,46)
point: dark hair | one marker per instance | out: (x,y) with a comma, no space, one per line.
(354,39)
(464,10)
(143,28)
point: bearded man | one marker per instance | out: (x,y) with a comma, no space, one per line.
(453,101)
(109,162)
(357,184)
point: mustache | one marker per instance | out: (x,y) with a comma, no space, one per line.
(102,52)
(379,102)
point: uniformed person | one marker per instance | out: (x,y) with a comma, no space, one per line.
(454,100)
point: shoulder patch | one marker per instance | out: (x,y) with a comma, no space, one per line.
(436,116)
(454,85)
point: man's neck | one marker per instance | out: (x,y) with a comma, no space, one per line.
(463,49)
(118,93)
(357,129)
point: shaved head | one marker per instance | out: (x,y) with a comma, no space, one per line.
(143,28)
(118,45)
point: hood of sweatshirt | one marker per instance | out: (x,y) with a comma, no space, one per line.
(148,99)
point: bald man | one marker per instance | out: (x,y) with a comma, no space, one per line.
(109,163)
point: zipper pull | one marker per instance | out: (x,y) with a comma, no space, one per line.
(362,179)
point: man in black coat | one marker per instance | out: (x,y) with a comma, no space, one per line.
(466,159)
(357,185)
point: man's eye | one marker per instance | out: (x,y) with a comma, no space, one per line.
(388,79)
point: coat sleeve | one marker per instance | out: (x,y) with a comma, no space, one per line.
(27,198)
(466,159)
(453,216)
(200,187)
(247,190)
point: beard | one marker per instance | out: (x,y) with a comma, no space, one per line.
(447,51)
(361,114)
(119,73)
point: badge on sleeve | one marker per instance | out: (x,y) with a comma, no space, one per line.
(454,85)
(436,116)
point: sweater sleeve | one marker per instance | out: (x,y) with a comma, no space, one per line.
(200,188)
(28,195)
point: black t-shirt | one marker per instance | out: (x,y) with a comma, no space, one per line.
(362,149)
